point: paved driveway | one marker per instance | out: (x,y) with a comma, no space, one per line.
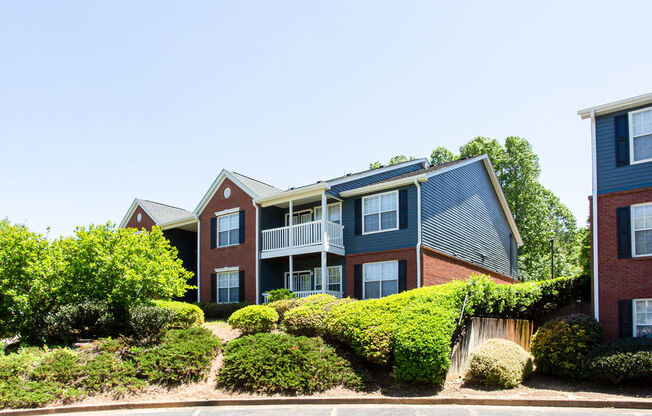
(370,410)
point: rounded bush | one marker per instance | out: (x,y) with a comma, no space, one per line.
(186,314)
(280,294)
(254,318)
(308,318)
(284,305)
(561,346)
(281,363)
(627,360)
(148,322)
(499,363)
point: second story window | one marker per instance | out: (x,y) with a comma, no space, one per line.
(641,134)
(642,224)
(334,213)
(228,230)
(380,212)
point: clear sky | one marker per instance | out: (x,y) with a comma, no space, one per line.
(101,102)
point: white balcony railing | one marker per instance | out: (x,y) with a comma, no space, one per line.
(305,294)
(301,235)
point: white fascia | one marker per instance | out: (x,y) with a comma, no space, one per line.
(376,187)
(422,161)
(614,106)
(215,186)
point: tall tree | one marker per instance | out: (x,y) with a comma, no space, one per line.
(441,155)
(393,161)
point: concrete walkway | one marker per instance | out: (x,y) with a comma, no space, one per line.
(370,410)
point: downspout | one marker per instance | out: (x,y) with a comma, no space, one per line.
(594,218)
(257,265)
(198,259)
(416,183)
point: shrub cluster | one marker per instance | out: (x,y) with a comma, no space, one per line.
(621,361)
(281,363)
(186,314)
(308,317)
(284,305)
(219,311)
(254,318)
(149,322)
(560,346)
(280,294)
(499,363)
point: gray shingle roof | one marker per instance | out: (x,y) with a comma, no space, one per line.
(430,169)
(257,187)
(163,213)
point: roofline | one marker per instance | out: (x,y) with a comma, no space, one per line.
(371,172)
(178,223)
(374,187)
(216,184)
(614,106)
(303,191)
(131,210)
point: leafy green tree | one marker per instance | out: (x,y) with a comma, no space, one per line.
(393,161)
(441,155)
(584,241)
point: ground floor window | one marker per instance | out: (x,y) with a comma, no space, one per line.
(379,279)
(228,287)
(642,317)
(301,281)
(334,278)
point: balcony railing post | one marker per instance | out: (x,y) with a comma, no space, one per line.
(290,223)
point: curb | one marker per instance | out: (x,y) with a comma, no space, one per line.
(609,404)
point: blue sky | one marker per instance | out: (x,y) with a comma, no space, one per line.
(101,102)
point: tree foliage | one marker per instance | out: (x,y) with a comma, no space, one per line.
(120,266)
(393,161)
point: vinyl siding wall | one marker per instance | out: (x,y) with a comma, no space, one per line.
(462,217)
(612,178)
(375,178)
(388,240)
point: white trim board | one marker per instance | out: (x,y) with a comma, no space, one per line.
(614,106)
(216,185)
(132,209)
(228,269)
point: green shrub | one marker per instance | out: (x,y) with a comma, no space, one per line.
(281,363)
(67,323)
(627,360)
(148,322)
(280,294)
(219,311)
(186,314)
(107,373)
(499,363)
(282,306)
(184,355)
(308,318)
(560,346)
(254,318)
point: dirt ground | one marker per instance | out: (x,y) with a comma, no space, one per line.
(537,386)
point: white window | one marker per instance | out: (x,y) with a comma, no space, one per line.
(642,229)
(379,279)
(380,212)
(334,213)
(642,309)
(640,133)
(228,230)
(300,217)
(228,287)
(334,278)
(301,281)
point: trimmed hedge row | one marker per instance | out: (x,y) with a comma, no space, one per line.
(621,361)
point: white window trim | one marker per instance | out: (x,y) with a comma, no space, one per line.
(287,274)
(633,229)
(364,278)
(380,212)
(226,270)
(329,267)
(298,213)
(631,137)
(227,211)
(218,245)
(339,204)
(634,324)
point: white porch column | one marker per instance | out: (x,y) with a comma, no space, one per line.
(324,236)
(290,237)
(291,274)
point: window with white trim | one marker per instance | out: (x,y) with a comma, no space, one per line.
(301,281)
(380,212)
(642,309)
(228,230)
(228,287)
(334,278)
(641,135)
(379,279)
(334,213)
(642,229)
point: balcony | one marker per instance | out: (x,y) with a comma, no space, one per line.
(302,238)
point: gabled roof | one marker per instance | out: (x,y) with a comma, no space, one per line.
(160,213)
(619,105)
(254,188)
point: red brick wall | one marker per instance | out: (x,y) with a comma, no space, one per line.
(408,254)
(439,268)
(146,221)
(241,255)
(619,279)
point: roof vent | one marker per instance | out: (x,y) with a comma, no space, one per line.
(291,188)
(464,158)
(349,174)
(319,181)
